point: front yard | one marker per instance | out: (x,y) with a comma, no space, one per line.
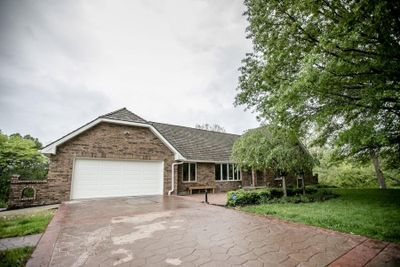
(15,257)
(369,212)
(21,225)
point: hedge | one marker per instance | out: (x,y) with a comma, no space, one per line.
(275,195)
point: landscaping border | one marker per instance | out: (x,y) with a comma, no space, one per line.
(41,256)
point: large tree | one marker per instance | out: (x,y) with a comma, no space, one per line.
(332,66)
(274,148)
(20,155)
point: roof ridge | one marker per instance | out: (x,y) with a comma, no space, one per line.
(194,128)
(124,111)
(112,112)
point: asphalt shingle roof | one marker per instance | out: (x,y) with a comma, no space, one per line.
(123,115)
(192,143)
(197,144)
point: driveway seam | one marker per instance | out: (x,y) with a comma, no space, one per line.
(376,254)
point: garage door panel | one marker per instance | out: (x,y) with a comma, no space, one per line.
(108,178)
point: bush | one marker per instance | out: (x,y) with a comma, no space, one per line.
(323,194)
(241,197)
(275,195)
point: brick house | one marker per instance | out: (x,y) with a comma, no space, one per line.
(121,154)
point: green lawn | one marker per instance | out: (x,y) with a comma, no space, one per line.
(24,224)
(15,257)
(369,212)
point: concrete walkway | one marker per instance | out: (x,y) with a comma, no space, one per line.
(20,241)
(218,199)
(27,210)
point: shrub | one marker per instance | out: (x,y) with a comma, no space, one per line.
(275,195)
(241,197)
(323,194)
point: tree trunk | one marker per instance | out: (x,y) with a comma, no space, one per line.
(284,186)
(303,185)
(378,171)
(253,178)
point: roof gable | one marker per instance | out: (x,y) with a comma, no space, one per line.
(123,114)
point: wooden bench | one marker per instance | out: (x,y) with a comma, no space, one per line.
(201,187)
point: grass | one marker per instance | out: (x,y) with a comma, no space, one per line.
(15,257)
(22,225)
(369,212)
(3,204)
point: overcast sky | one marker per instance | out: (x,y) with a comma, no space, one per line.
(63,63)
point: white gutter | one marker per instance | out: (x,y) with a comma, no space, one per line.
(173,177)
(209,161)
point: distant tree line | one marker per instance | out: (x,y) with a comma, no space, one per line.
(211,127)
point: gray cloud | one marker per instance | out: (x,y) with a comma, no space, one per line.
(63,63)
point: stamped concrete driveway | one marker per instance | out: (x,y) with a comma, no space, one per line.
(170,231)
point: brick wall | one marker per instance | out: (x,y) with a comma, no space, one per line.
(105,140)
(267,178)
(206,176)
(16,199)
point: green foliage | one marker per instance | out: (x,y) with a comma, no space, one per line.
(22,225)
(275,195)
(28,192)
(272,147)
(3,204)
(370,212)
(350,174)
(20,155)
(16,257)
(242,197)
(328,67)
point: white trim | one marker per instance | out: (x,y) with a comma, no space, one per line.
(209,161)
(173,177)
(299,178)
(227,172)
(195,172)
(52,148)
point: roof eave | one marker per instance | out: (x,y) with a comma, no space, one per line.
(209,161)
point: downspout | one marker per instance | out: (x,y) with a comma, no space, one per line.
(173,177)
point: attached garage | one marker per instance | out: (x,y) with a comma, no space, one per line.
(96,178)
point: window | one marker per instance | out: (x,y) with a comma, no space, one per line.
(189,172)
(217,172)
(299,182)
(230,172)
(227,172)
(224,173)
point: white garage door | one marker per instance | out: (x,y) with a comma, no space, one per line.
(95,178)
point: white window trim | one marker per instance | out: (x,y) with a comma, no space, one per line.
(227,171)
(195,172)
(299,179)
